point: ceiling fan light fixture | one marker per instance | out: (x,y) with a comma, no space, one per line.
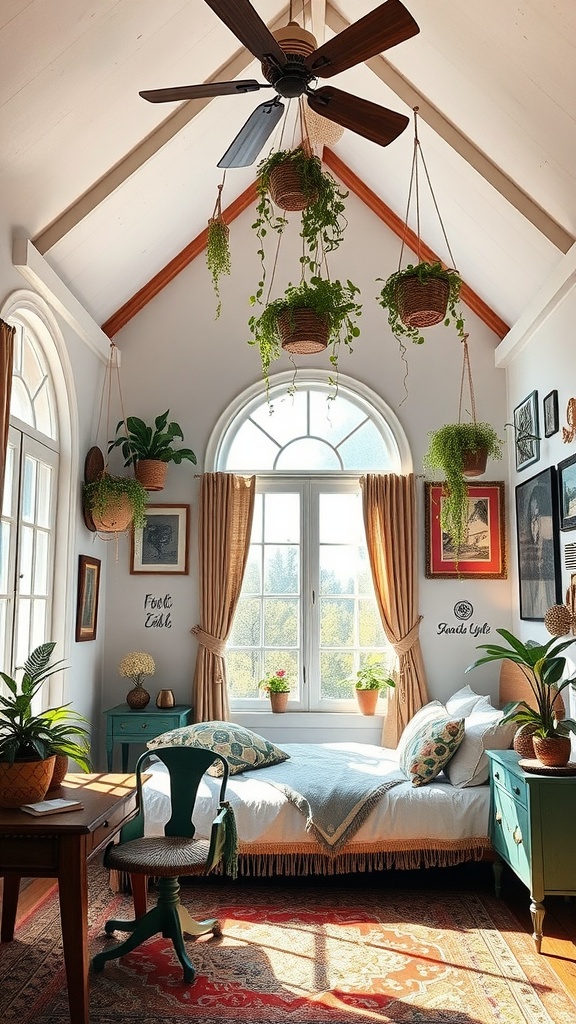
(294,40)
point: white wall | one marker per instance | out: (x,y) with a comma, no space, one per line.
(174,355)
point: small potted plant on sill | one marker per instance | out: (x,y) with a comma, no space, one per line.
(420,296)
(276,685)
(544,666)
(370,679)
(460,450)
(113,503)
(30,745)
(306,319)
(149,449)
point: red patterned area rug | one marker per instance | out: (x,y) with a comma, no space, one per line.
(349,951)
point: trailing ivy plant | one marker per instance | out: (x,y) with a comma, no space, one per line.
(388,299)
(98,494)
(218,255)
(336,301)
(447,450)
(323,221)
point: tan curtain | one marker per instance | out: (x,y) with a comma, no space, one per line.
(389,504)
(6,357)
(224,525)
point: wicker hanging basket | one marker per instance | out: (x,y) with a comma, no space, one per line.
(286,189)
(422,303)
(302,331)
(115,518)
(474,462)
(151,473)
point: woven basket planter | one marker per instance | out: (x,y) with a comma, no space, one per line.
(286,188)
(116,517)
(552,751)
(422,303)
(302,331)
(151,473)
(25,782)
(474,463)
(523,742)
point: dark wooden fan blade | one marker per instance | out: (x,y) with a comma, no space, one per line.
(248,27)
(388,25)
(250,139)
(379,124)
(198,92)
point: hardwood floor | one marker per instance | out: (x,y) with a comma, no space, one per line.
(558,945)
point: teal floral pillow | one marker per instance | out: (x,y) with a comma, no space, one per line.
(244,750)
(430,748)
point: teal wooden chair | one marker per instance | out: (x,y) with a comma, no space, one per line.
(176,853)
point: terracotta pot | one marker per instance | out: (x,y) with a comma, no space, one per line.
(279,702)
(60,769)
(303,331)
(137,698)
(523,741)
(367,701)
(422,303)
(552,751)
(151,473)
(474,463)
(25,782)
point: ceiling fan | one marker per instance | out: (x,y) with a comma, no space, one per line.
(291,61)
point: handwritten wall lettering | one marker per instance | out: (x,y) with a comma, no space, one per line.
(157,611)
(472,629)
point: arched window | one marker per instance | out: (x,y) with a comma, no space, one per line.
(307,604)
(28,523)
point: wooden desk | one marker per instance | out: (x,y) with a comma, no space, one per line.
(59,846)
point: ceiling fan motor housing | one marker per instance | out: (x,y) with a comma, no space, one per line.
(293,78)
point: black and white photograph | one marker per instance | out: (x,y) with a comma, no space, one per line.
(550,407)
(538,544)
(526,432)
(567,493)
(161,546)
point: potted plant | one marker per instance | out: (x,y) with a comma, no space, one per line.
(306,319)
(149,449)
(544,666)
(454,449)
(30,743)
(295,180)
(277,687)
(113,503)
(218,254)
(419,296)
(370,679)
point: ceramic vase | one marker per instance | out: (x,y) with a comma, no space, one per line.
(137,698)
(165,699)
(25,782)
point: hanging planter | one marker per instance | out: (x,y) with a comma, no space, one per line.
(302,331)
(150,449)
(218,248)
(114,503)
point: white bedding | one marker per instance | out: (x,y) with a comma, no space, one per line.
(436,816)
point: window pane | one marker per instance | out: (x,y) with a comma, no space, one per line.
(336,622)
(282,519)
(243,673)
(41,563)
(44,495)
(365,450)
(45,421)
(29,490)
(25,566)
(281,569)
(20,404)
(371,633)
(287,660)
(257,518)
(23,647)
(8,481)
(288,420)
(341,519)
(251,449)
(246,628)
(5,534)
(336,669)
(38,623)
(252,583)
(338,566)
(308,453)
(333,420)
(281,622)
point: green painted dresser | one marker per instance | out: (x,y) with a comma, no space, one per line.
(125,726)
(533,829)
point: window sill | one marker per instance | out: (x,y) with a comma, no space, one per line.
(312,726)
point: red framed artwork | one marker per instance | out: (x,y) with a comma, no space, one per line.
(483,555)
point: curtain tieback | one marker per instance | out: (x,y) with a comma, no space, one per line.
(403,645)
(211,643)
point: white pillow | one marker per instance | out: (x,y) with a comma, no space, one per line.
(482,731)
(465,701)
(431,712)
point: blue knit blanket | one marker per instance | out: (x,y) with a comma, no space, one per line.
(334,789)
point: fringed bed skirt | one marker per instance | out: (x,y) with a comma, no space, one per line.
(267,861)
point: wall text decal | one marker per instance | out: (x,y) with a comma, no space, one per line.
(157,611)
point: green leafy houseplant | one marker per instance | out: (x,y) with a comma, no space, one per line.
(389,299)
(543,666)
(323,222)
(275,682)
(28,737)
(331,299)
(139,441)
(107,491)
(372,675)
(218,254)
(447,451)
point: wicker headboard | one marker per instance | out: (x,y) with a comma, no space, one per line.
(514,686)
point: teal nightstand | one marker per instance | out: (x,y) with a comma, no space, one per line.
(533,829)
(125,726)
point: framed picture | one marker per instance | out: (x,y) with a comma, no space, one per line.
(162,545)
(567,493)
(526,434)
(87,604)
(483,555)
(550,407)
(538,544)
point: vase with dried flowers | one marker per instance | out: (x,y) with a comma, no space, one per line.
(136,666)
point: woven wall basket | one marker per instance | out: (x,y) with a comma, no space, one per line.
(302,331)
(286,188)
(151,473)
(422,303)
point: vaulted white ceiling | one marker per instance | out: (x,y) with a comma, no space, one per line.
(111,188)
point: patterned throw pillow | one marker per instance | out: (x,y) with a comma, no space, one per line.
(428,750)
(483,731)
(431,712)
(244,750)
